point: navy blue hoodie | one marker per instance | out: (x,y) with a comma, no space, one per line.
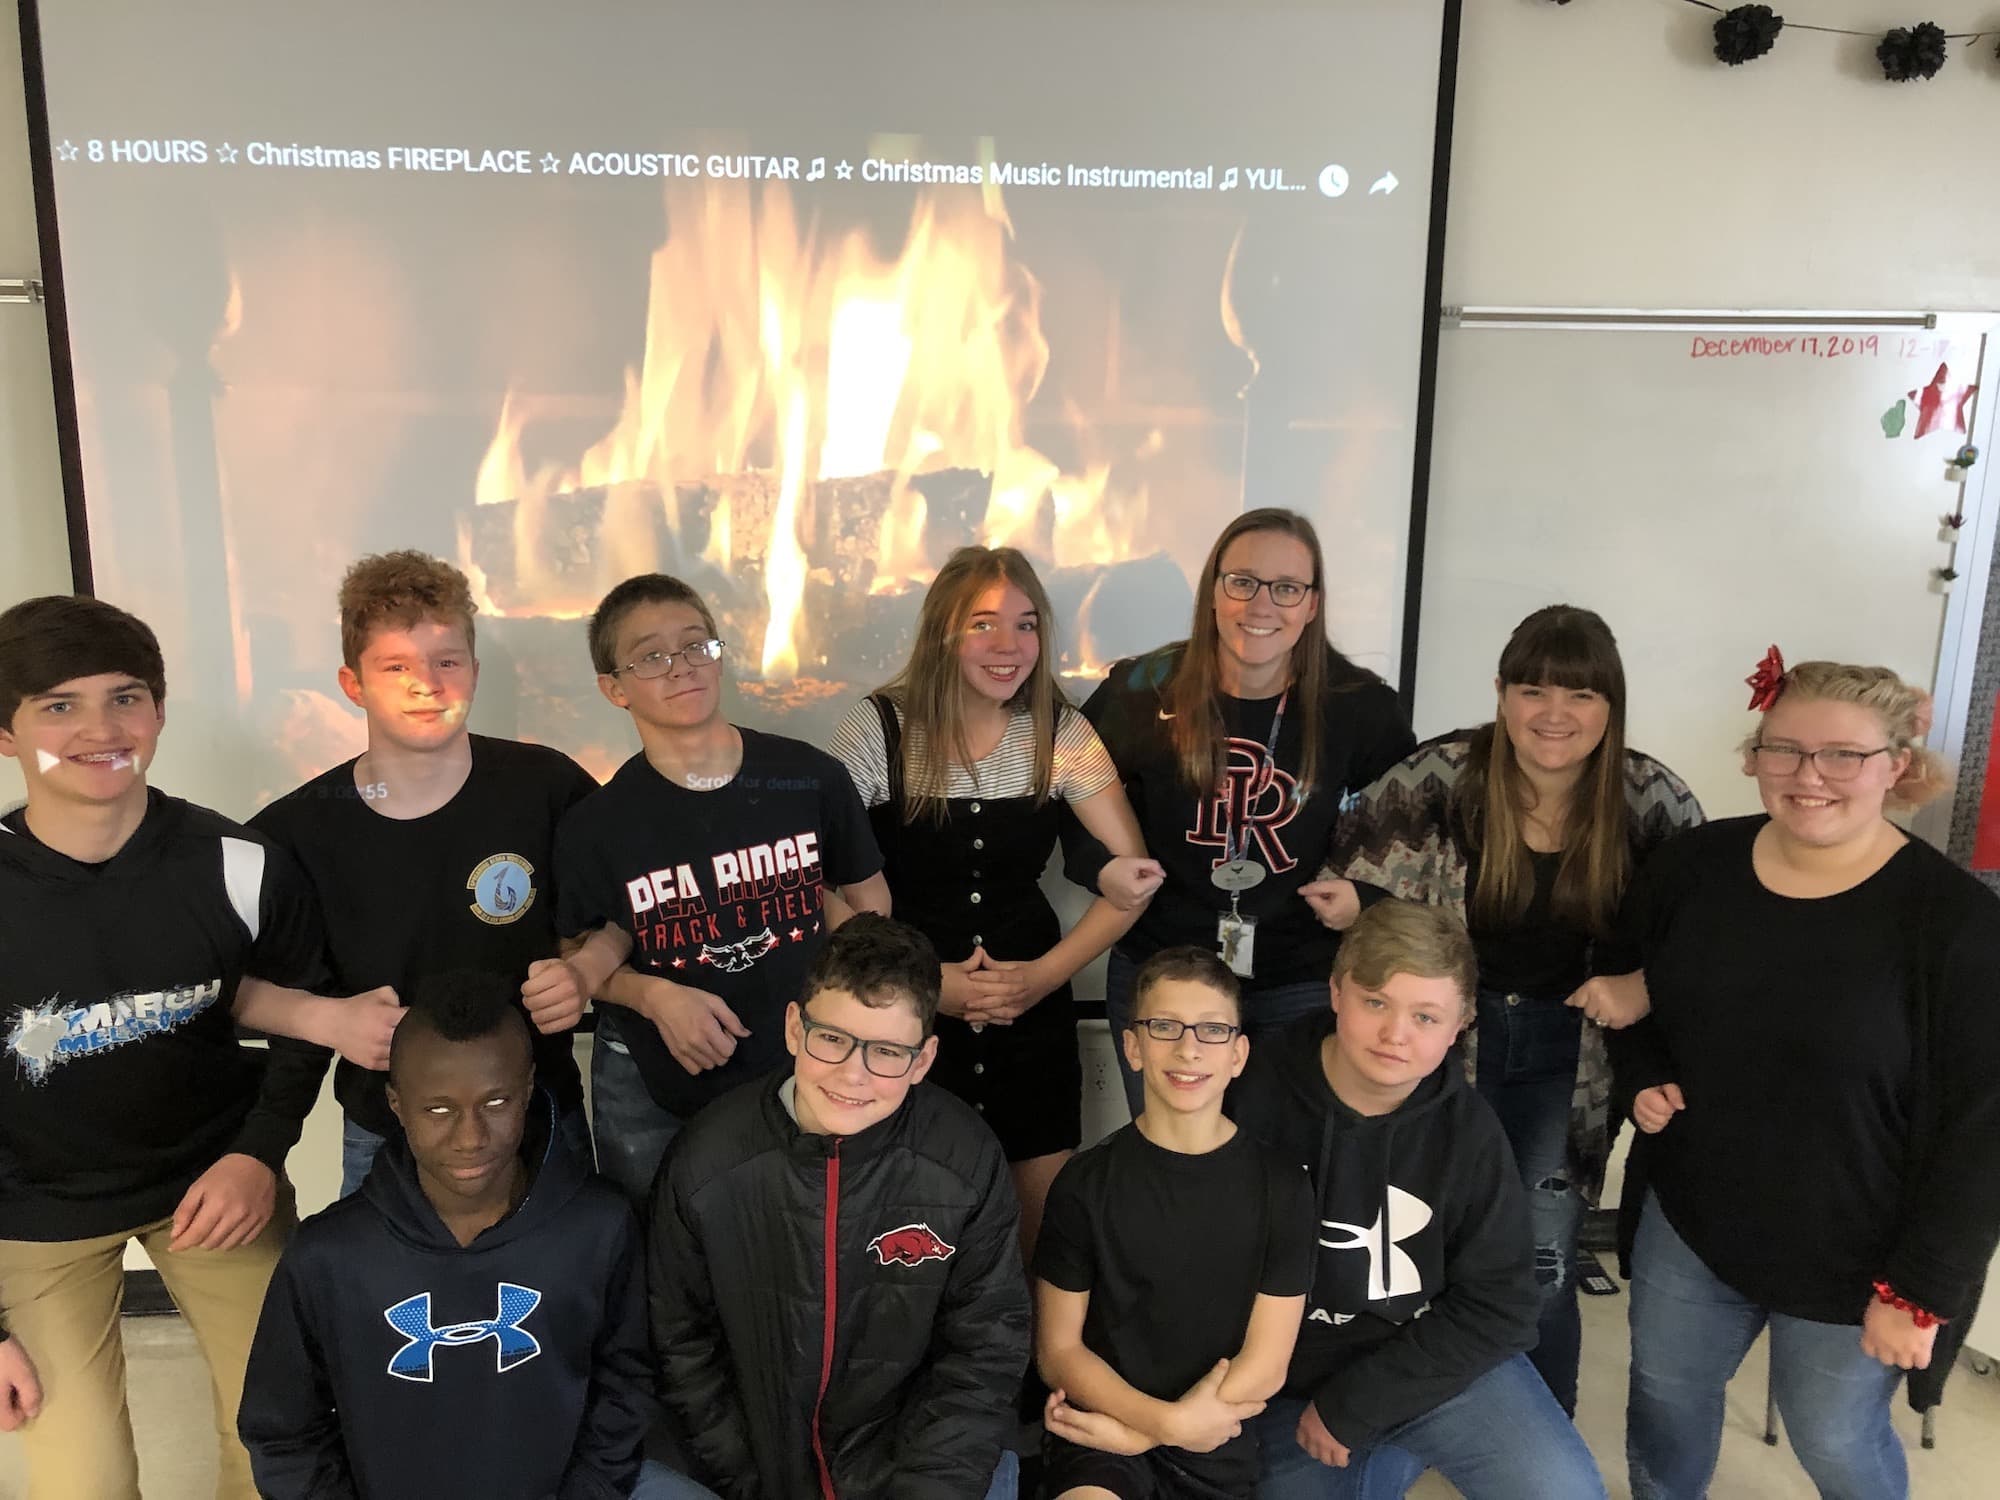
(1424,1278)
(393,1363)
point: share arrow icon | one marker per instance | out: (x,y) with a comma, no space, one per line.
(1384,184)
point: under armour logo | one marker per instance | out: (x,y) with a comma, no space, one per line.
(1406,1215)
(514,1345)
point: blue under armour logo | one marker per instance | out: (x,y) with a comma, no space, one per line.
(412,1318)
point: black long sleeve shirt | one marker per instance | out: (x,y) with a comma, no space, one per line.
(1840,1062)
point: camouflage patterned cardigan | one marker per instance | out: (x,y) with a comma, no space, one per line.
(1398,835)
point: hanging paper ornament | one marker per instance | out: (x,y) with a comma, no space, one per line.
(1912,52)
(1747,33)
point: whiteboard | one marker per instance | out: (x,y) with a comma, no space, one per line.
(1709,491)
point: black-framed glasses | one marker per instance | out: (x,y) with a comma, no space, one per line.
(1167,1029)
(832,1045)
(1834,764)
(659,663)
(1286,593)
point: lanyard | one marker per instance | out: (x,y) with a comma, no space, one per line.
(1233,850)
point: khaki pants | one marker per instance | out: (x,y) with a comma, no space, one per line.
(62,1300)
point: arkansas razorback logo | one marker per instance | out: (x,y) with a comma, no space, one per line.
(909,1245)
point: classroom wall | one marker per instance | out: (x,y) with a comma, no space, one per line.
(1602,157)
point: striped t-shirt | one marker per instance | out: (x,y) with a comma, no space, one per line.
(1082,769)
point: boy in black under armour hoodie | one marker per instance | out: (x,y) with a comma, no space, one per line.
(835,1280)
(472,1321)
(1423,1298)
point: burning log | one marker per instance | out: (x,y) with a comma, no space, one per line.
(557,554)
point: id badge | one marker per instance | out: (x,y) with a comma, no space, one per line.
(1236,939)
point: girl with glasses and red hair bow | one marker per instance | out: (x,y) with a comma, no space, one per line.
(1818,1091)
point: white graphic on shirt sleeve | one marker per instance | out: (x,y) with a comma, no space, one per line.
(1406,1215)
(45,1036)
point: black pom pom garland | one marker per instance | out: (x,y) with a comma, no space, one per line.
(1912,52)
(1746,33)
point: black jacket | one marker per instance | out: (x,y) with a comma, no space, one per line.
(900,1241)
(392,1363)
(1424,1279)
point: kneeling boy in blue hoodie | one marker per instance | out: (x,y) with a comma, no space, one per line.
(472,1322)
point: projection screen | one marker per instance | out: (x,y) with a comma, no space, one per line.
(789,299)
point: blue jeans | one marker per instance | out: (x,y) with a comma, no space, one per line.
(658,1482)
(1527,1071)
(1265,1013)
(359,1144)
(632,1131)
(1689,1334)
(1501,1438)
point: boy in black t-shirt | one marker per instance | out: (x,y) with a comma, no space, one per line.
(1172,1266)
(432,850)
(128,1111)
(710,862)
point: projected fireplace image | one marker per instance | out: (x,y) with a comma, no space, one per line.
(815,424)
(800,400)
(787,300)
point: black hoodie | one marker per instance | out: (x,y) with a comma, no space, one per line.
(123,1080)
(1424,1279)
(393,1362)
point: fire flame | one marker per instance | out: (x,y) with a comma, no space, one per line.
(770,350)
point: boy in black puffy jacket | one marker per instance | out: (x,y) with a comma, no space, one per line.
(835,1282)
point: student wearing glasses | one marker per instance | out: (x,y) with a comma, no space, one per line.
(965,762)
(1236,747)
(1171,1274)
(836,1293)
(1818,1087)
(696,886)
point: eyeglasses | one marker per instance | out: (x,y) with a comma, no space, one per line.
(659,663)
(1285,593)
(830,1044)
(1208,1033)
(1834,765)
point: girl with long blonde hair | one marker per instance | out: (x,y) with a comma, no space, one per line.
(963,760)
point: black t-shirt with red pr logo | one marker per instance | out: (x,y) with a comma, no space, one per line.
(721,890)
(1259,810)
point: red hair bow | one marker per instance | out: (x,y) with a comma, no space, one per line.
(1767,681)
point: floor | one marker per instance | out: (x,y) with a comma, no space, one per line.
(171,1412)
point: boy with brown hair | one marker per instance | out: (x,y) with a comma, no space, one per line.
(1171,1271)
(128,1111)
(714,863)
(834,1265)
(433,850)
(1423,1298)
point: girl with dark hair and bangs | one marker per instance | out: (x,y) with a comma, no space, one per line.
(1530,828)
(1236,747)
(963,761)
